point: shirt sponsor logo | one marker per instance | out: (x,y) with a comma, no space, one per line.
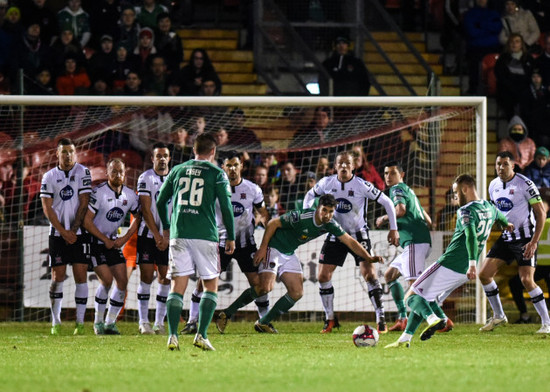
(344,206)
(238,209)
(66,193)
(114,214)
(504,204)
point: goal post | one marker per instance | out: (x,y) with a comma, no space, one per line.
(436,138)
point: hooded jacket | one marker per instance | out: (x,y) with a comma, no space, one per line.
(78,22)
(523,150)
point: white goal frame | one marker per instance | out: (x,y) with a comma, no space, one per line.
(480,104)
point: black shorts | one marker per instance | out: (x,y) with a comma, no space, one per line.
(62,253)
(101,255)
(335,252)
(244,257)
(510,251)
(148,253)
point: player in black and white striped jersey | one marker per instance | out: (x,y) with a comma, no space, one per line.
(519,200)
(65,191)
(152,247)
(109,204)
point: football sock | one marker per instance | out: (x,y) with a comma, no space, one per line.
(143,295)
(437,310)
(491,291)
(375,295)
(174,304)
(115,305)
(194,306)
(263,304)
(420,306)
(101,295)
(326,290)
(207,307)
(398,295)
(160,312)
(281,306)
(413,323)
(537,297)
(56,299)
(244,299)
(81,299)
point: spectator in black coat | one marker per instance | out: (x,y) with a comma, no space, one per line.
(104,19)
(29,53)
(168,43)
(129,28)
(349,74)
(193,73)
(37,12)
(103,61)
(534,104)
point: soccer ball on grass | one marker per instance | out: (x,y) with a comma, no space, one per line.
(365,336)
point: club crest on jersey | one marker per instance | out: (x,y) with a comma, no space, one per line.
(124,202)
(504,204)
(238,209)
(71,179)
(343,206)
(114,214)
(243,196)
(511,192)
(66,193)
(351,193)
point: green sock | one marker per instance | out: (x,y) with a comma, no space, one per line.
(437,310)
(419,305)
(174,304)
(412,324)
(399,297)
(207,306)
(281,306)
(244,299)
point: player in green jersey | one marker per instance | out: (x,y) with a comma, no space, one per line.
(195,186)
(457,265)
(414,237)
(276,254)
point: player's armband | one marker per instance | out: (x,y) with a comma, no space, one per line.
(536,199)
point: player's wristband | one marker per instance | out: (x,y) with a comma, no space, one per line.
(473,263)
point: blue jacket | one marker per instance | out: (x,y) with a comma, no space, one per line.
(482,27)
(540,176)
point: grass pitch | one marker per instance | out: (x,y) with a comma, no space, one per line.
(512,358)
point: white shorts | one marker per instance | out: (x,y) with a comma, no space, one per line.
(412,261)
(187,254)
(278,263)
(438,282)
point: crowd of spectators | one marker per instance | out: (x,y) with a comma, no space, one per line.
(104,47)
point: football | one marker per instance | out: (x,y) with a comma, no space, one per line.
(365,336)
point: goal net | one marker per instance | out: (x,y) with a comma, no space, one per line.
(293,141)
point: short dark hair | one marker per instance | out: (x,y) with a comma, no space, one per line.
(465,179)
(159,145)
(328,200)
(396,164)
(204,143)
(506,154)
(65,141)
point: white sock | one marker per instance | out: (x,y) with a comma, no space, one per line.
(432,319)
(101,295)
(194,306)
(162,294)
(56,300)
(115,305)
(326,291)
(492,293)
(81,299)
(143,295)
(537,297)
(262,303)
(405,337)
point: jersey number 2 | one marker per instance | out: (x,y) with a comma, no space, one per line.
(195,188)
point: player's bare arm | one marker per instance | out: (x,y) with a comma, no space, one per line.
(400,210)
(83,200)
(90,226)
(540,217)
(147,214)
(356,247)
(134,226)
(270,230)
(68,235)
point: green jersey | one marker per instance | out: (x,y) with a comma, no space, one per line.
(299,227)
(196,185)
(473,226)
(412,226)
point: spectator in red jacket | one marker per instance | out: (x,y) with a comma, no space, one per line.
(74,80)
